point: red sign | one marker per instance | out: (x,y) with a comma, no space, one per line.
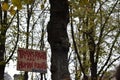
(32,60)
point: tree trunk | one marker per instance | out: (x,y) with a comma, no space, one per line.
(3,29)
(58,39)
(2,62)
(117,73)
(2,49)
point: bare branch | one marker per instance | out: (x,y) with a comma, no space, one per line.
(17,38)
(110,53)
(108,67)
(75,47)
(102,30)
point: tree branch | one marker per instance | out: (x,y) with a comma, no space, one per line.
(108,67)
(110,53)
(17,38)
(102,30)
(75,47)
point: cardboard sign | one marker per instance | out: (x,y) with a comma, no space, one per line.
(32,60)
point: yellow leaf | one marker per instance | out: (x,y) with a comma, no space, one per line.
(28,1)
(44,1)
(14,2)
(12,11)
(86,2)
(17,3)
(5,6)
(42,6)
(19,7)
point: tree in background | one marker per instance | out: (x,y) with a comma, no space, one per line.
(96,36)
(12,27)
(4,25)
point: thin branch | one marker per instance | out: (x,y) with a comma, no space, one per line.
(69,57)
(16,40)
(38,18)
(101,5)
(110,53)
(102,30)
(113,28)
(108,67)
(75,47)
(11,20)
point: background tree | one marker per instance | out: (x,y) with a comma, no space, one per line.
(93,31)
(4,25)
(23,27)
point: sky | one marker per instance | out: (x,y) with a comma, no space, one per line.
(11,69)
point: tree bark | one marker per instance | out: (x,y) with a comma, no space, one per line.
(2,50)
(3,29)
(58,39)
(117,74)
